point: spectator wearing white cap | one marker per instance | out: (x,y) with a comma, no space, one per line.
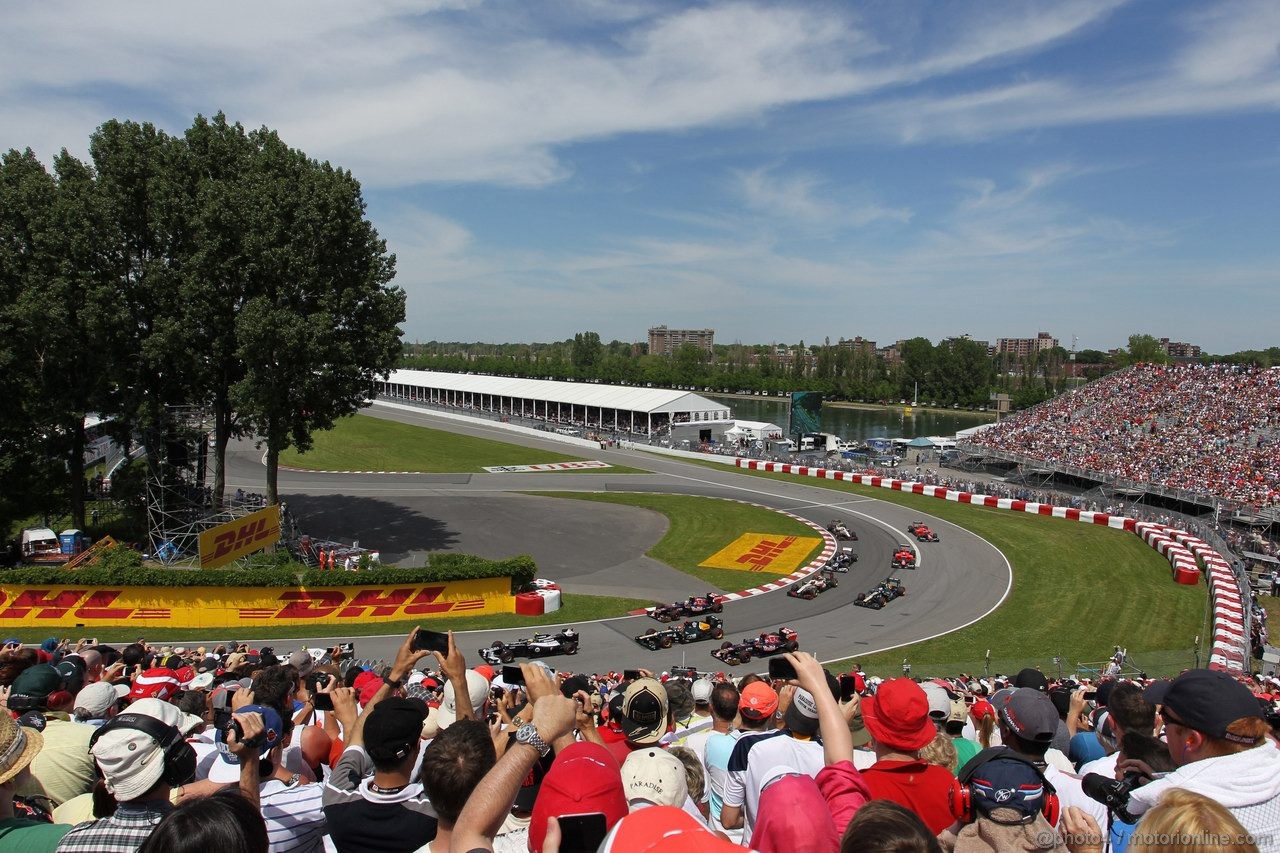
(98,702)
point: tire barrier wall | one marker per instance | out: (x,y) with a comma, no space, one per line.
(1185,553)
(87,606)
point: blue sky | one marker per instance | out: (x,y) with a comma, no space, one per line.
(777,172)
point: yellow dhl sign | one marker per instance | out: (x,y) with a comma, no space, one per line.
(227,542)
(763,552)
(235,607)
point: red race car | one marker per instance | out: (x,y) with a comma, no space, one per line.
(904,557)
(921,531)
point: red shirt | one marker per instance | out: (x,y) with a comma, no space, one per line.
(923,788)
(620,749)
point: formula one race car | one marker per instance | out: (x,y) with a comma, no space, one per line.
(841,531)
(782,640)
(537,646)
(693,606)
(734,653)
(904,557)
(886,591)
(841,561)
(921,531)
(812,586)
(691,631)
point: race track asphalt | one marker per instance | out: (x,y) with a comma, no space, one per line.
(599,549)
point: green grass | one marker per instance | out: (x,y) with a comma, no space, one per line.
(699,527)
(577,608)
(1078,590)
(363,443)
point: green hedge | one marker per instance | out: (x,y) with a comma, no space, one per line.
(443,567)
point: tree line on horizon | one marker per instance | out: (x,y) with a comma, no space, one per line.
(956,371)
(218,274)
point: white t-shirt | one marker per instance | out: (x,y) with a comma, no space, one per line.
(1071,793)
(756,759)
(294,815)
(1104,766)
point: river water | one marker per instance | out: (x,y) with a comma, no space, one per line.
(856,424)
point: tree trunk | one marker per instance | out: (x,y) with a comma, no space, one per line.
(75,466)
(221,437)
(273,471)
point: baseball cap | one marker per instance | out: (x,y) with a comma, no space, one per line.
(72,670)
(644,711)
(999,780)
(663,828)
(32,687)
(939,701)
(802,713)
(701,691)
(679,698)
(131,760)
(1206,701)
(96,700)
(156,683)
(757,701)
(477,689)
(1033,678)
(201,682)
(898,715)
(394,728)
(1029,714)
(584,778)
(227,768)
(654,776)
(303,662)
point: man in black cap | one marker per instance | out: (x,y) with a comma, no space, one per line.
(1037,680)
(1217,737)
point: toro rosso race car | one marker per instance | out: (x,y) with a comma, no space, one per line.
(841,531)
(886,591)
(904,557)
(812,586)
(691,631)
(537,646)
(768,643)
(921,531)
(694,606)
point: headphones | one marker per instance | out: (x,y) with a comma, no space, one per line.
(179,757)
(961,795)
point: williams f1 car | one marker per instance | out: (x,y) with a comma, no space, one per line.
(841,561)
(812,586)
(694,606)
(841,531)
(884,592)
(921,531)
(537,646)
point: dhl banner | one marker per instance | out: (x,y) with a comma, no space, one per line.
(763,552)
(226,542)
(237,607)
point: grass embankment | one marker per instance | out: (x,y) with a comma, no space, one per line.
(364,443)
(1078,590)
(577,608)
(699,527)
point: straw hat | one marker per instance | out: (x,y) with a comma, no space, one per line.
(18,746)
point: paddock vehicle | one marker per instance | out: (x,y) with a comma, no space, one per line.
(537,646)
(811,587)
(884,592)
(841,531)
(841,561)
(693,606)
(904,557)
(734,653)
(691,631)
(782,640)
(921,531)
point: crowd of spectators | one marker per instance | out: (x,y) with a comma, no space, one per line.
(1207,429)
(226,748)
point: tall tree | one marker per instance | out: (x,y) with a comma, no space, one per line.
(586,353)
(322,324)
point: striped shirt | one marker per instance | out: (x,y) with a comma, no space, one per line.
(294,815)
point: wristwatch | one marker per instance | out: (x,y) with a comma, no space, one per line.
(392,682)
(528,734)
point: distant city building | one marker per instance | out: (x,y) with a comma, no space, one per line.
(1026,347)
(664,341)
(892,354)
(1178,349)
(859,345)
(986,345)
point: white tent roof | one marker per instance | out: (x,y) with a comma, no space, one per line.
(621,397)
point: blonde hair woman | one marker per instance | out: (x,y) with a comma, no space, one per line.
(1184,821)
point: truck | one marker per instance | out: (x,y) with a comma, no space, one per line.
(822,442)
(41,545)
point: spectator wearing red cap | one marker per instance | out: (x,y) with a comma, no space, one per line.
(898,718)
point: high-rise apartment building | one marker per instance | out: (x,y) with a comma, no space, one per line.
(1026,347)
(664,341)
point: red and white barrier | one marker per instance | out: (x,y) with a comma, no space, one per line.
(1185,553)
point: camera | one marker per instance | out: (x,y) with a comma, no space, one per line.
(1112,793)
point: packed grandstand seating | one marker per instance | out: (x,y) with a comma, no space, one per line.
(1211,430)
(229,748)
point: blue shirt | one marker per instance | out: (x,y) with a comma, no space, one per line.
(1084,748)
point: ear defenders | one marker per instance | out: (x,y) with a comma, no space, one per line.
(973,784)
(179,757)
